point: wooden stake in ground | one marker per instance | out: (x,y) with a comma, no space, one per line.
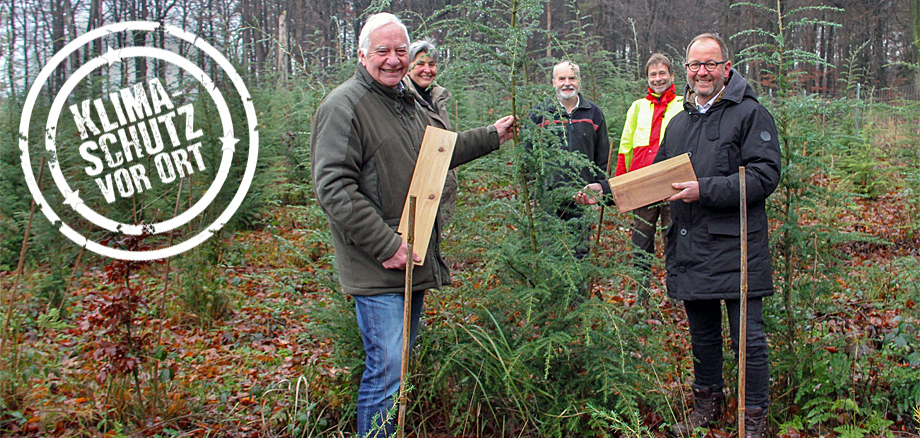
(14,290)
(407,321)
(600,219)
(742,328)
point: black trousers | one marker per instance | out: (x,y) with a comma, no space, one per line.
(572,214)
(705,318)
(643,234)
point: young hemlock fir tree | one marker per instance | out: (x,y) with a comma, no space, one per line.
(523,353)
(808,259)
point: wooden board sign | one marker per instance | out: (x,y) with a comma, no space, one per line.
(651,184)
(427,184)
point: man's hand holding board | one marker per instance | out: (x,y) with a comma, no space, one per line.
(651,184)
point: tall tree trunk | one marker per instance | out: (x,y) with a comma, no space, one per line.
(25,47)
(282,66)
(57,40)
(94,22)
(246,16)
(71,33)
(833,56)
(140,12)
(259,23)
(10,65)
(915,27)
(184,47)
(299,25)
(549,29)
(824,54)
(879,52)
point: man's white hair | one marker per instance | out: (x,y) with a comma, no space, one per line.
(375,22)
(569,64)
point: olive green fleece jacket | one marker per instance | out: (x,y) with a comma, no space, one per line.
(364,143)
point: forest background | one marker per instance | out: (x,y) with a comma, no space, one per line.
(248,334)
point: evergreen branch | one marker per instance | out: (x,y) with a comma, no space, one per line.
(755,6)
(814,22)
(818,8)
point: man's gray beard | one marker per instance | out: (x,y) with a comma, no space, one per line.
(560,96)
(698,94)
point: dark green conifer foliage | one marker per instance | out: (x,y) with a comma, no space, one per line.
(810,242)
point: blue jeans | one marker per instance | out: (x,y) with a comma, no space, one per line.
(380,318)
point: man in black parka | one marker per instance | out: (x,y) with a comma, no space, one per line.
(722,127)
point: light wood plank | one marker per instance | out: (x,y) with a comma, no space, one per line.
(651,184)
(427,184)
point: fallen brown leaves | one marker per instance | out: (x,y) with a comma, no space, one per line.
(225,377)
(236,377)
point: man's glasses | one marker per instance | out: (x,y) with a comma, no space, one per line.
(710,66)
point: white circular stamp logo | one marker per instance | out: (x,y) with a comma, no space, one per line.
(150,137)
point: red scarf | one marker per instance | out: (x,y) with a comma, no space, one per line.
(661,105)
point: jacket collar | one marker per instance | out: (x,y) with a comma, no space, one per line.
(583,103)
(736,90)
(437,92)
(664,98)
(364,77)
(553,106)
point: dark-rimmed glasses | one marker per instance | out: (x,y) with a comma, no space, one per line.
(710,66)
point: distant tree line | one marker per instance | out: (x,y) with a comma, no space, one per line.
(876,40)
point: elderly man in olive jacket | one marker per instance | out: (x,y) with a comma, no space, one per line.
(723,127)
(365,142)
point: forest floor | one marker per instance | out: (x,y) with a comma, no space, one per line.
(258,370)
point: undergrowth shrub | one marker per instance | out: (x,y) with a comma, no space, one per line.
(863,163)
(538,353)
(842,387)
(204,290)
